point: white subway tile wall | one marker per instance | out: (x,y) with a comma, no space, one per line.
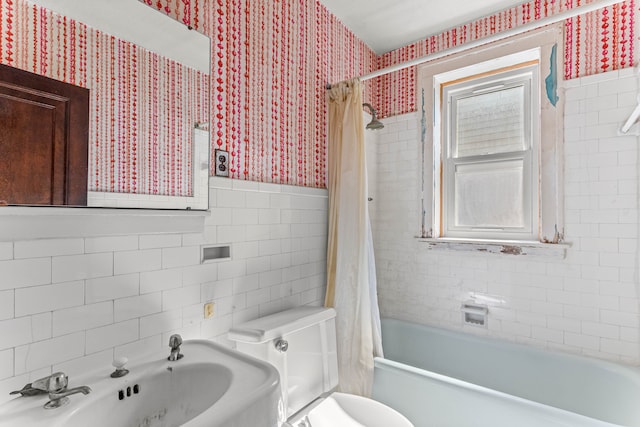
(587,303)
(75,304)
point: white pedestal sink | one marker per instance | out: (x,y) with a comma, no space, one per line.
(211,386)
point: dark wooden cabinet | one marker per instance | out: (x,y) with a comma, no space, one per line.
(44,133)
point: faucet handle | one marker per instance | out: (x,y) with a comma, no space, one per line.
(119,363)
(54,383)
(28,390)
(57,382)
(175,341)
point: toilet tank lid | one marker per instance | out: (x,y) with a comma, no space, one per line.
(280,324)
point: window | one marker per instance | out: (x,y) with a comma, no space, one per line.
(492,155)
(489,150)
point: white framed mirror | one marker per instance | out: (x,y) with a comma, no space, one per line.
(149,138)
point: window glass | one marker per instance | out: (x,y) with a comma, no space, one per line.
(489,195)
(490,122)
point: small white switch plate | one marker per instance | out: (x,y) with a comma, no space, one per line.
(208,310)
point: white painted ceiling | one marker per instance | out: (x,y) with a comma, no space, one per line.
(386,25)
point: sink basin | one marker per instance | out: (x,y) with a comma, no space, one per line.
(210,386)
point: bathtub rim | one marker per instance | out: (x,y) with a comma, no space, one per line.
(614,366)
(620,411)
(404,369)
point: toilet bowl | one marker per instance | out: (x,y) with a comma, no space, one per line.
(348,410)
(301,344)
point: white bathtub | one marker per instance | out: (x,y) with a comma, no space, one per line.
(443,378)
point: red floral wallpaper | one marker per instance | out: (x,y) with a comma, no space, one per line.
(270,62)
(245,34)
(143,106)
(597,42)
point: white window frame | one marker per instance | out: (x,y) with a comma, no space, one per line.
(547,216)
(518,75)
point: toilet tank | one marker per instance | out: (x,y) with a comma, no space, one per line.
(309,366)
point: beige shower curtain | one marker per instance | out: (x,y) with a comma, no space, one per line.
(350,266)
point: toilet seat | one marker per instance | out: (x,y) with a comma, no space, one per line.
(348,410)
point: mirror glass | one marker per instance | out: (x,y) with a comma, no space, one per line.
(149,105)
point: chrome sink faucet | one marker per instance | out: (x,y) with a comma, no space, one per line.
(58,399)
(175,341)
(56,385)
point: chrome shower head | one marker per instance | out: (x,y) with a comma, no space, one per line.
(374,123)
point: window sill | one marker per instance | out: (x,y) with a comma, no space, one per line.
(499,247)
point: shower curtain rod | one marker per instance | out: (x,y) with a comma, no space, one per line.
(580,10)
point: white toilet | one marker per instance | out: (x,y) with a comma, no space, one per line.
(301,344)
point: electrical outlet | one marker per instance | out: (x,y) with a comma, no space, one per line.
(208,310)
(222,162)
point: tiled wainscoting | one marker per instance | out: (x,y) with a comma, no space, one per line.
(73,304)
(587,303)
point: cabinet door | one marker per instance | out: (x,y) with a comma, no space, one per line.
(43,140)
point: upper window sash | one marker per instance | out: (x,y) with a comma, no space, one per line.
(500,88)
